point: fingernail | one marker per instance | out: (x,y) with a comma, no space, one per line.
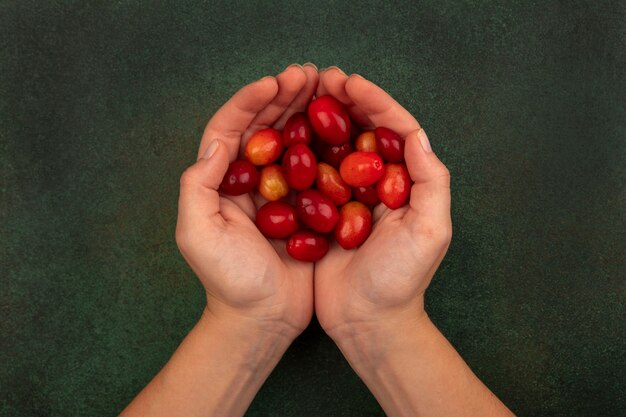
(424,141)
(294,65)
(310,64)
(358,76)
(211,149)
(337,68)
(265,78)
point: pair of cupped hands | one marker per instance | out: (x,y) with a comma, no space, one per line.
(251,282)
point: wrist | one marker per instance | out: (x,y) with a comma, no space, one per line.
(254,345)
(368,343)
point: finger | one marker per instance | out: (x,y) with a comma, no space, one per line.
(379,107)
(430,193)
(244,202)
(290,83)
(234,117)
(321,88)
(334,81)
(299,104)
(199,198)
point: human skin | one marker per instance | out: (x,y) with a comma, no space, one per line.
(369,300)
(258,298)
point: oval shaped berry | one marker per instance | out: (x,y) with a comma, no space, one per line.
(366,142)
(272,183)
(366,195)
(329,120)
(330,183)
(354,225)
(394,187)
(316,211)
(297,130)
(307,246)
(277,220)
(300,166)
(241,177)
(390,144)
(360,169)
(264,147)
(334,155)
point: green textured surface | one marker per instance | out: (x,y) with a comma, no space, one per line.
(101,108)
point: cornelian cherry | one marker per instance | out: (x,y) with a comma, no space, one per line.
(241,177)
(366,195)
(300,166)
(297,130)
(354,225)
(330,183)
(272,183)
(360,169)
(277,220)
(395,186)
(330,120)
(316,211)
(264,146)
(307,246)
(390,145)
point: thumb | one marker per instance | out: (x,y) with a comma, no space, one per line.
(430,193)
(199,183)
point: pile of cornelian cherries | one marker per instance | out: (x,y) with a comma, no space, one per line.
(329,163)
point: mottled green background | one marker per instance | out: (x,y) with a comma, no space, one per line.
(102,105)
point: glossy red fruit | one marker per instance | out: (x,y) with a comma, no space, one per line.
(329,120)
(300,166)
(297,130)
(264,147)
(354,225)
(333,155)
(395,186)
(241,177)
(330,183)
(390,144)
(272,183)
(366,142)
(316,211)
(360,169)
(277,220)
(366,195)
(307,246)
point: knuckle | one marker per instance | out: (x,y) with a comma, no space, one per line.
(187,177)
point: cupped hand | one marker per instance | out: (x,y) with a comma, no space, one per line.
(245,275)
(383,281)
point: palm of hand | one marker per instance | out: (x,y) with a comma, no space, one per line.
(240,269)
(391,270)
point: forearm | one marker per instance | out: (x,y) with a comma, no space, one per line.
(216,371)
(413,370)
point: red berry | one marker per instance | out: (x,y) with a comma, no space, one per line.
(300,166)
(317,211)
(307,246)
(390,144)
(330,120)
(330,183)
(366,195)
(276,220)
(360,169)
(297,130)
(264,147)
(272,183)
(333,155)
(395,186)
(241,177)
(354,226)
